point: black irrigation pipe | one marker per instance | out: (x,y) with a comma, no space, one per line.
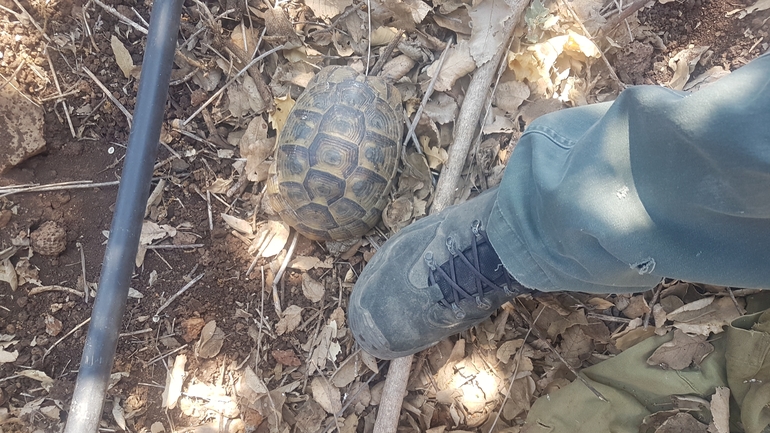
(118,265)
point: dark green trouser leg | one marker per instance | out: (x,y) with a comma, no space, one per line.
(613,197)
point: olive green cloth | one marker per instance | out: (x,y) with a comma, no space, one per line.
(634,390)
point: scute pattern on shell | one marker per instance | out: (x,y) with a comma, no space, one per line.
(337,156)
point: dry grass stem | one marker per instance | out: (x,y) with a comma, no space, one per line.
(231,81)
(54,288)
(168,302)
(108,94)
(72,331)
(124,19)
(279,274)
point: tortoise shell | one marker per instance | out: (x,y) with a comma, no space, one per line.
(337,155)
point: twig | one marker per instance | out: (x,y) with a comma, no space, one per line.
(380,63)
(32,20)
(468,119)
(108,94)
(425,97)
(47,351)
(130,334)
(607,318)
(208,207)
(124,19)
(53,288)
(635,6)
(83,270)
(79,184)
(588,35)
(13,75)
(58,88)
(561,358)
(173,247)
(159,357)
(279,274)
(393,395)
(519,355)
(168,302)
(738,307)
(232,80)
(655,297)
(369,39)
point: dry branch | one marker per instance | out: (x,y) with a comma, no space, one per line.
(468,119)
(393,395)
(465,131)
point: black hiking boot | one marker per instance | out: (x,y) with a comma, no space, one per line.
(435,278)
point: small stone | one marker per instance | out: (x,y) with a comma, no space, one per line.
(179,165)
(21,128)
(49,239)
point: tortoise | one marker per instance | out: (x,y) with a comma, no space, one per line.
(337,155)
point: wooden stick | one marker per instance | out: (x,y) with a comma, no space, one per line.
(395,384)
(393,395)
(468,119)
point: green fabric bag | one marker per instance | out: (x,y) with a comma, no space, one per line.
(635,390)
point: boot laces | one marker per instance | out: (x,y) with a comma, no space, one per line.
(471,263)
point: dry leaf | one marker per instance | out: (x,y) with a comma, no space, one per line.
(683,63)
(290,319)
(237,224)
(256,148)
(286,357)
(8,274)
(369,361)
(152,232)
(346,374)
(720,411)
(600,303)
(45,381)
(575,345)
(326,9)
(458,64)
(304,263)
(118,413)
(682,351)
(510,94)
(211,341)
(174,381)
(633,337)
(326,395)
(398,214)
(705,316)
(519,397)
(122,56)
(53,326)
(309,417)
(270,239)
(760,5)
(487,37)
(250,386)
(682,423)
(637,307)
(508,349)
(278,117)
(312,289)
(442,108)
(6,356)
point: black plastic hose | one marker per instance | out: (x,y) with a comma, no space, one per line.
(118,265)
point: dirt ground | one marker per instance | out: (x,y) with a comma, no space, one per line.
(239,302)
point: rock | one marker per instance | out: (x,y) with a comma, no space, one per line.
(49,239)
(21,128)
